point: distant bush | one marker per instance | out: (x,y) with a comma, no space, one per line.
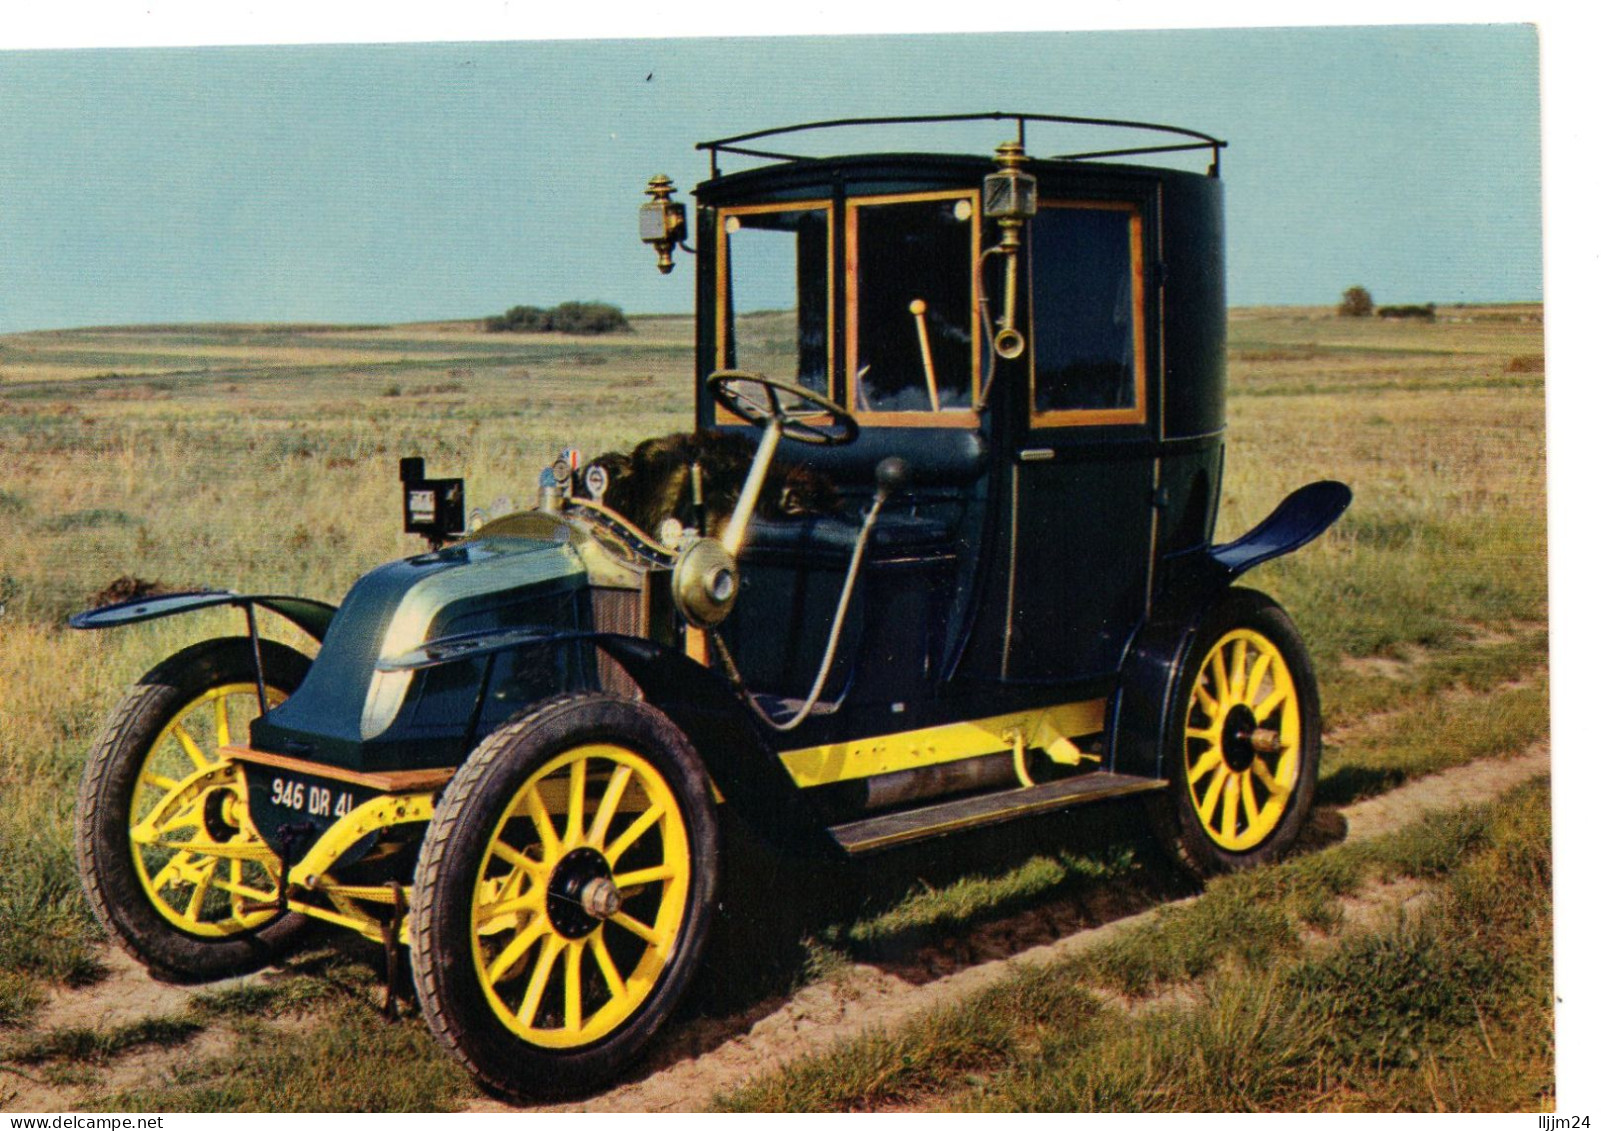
(1426,312)
(1356,303)
(568,318)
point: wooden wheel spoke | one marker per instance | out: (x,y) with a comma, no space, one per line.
(517,905)
(548,839)
(540,978)
(1209,802)
(202,882)
(1259,768)
(1220,678)
(642,876)
(223,737)
(173,870)
(608,968)
(1205,764)
(614,851)
(506,959)
(241,890)
(1259,671)
(1237,673)
(575,802)
(1231,805)
(191,747)
(158,781)
(608,805)
(635,927)
(1273,702)
(573,993)
(1253,811)
(532,868)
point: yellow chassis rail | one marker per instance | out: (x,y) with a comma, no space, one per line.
(311,874)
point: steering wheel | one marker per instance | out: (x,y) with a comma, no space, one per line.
(762,403)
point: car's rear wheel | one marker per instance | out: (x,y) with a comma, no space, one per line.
(1243,739)
(171,862)
(563,894)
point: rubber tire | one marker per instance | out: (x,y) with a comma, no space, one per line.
(448,991)
(105,857)
(1173,812)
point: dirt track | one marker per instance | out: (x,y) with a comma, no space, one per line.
(867,997)
(707,1057)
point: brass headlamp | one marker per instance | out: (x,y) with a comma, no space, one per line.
(1011,196)
(662,222)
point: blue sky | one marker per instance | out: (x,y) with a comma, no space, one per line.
(412,181)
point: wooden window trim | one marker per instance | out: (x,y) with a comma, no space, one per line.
(1086,417)
(964,418)
(723,416)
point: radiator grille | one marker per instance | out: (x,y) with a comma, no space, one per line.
(621,611)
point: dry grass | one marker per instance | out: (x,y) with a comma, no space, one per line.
(262,457)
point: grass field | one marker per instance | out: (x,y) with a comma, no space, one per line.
(263,457)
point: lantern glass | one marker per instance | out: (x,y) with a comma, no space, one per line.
(653,220)
(1010,195)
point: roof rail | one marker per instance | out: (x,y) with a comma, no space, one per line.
(735,144)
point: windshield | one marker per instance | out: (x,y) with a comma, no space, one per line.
(776,280)
(913,337)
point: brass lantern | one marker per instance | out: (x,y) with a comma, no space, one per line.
(1011,197)
(661,220)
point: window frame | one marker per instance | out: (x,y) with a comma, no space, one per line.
(967,418)
(724,301)
(1086,417)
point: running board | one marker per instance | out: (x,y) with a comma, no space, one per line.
(873,833)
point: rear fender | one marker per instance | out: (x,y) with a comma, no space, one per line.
(310,616)
(1304,514)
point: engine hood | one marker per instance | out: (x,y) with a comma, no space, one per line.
(348,714)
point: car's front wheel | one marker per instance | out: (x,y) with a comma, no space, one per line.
(563,894)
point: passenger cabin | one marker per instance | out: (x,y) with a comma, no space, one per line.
(1060,407)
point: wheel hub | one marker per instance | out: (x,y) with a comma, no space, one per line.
(1239,751)
(220,815)
(581,893)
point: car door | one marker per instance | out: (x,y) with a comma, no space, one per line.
(1083,475)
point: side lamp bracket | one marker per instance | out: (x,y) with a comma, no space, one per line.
(1011,198)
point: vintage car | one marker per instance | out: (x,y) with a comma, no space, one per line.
(512,754)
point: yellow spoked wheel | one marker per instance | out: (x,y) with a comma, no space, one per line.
(172,864)
(563,893)
(1242,739)
(580,897)
(198,857)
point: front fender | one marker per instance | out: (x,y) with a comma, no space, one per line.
(311,616)
(700,701)
(704,705)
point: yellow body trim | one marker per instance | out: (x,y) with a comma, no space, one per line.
(930,746)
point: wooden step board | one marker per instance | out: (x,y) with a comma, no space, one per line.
(886,830)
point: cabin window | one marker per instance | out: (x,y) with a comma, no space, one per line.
(1088,350)
(775,279)
(913,338)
